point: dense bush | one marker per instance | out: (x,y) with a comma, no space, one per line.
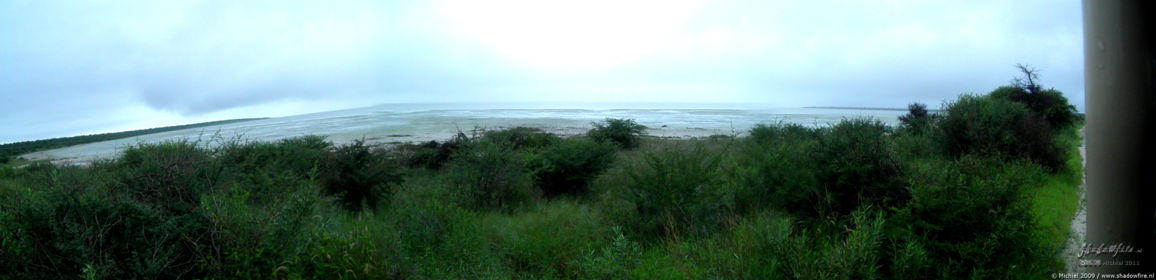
(917,120)
(520,138)
(856,166)
(256,239)
(359,175)
(532,246)
(782,134)
(432,154)
(677,190)
(265,169)
(492,176)
(568,165)
(970,213)
(990,126)
(624,132)
(980,125)
(1047,104)
(776,169)
(62,230)
(815,172)
(172,175)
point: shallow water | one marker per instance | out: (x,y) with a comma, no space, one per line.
(393,123)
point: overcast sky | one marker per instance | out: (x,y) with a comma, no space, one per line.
(78,67)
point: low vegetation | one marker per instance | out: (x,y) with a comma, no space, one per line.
(970,192)
(624,132)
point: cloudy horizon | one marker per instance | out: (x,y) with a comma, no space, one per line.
(72,68)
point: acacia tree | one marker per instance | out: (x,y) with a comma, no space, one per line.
(1047,104)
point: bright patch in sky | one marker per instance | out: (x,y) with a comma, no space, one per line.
(571,35)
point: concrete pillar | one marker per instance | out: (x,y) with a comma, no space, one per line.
(1118,73)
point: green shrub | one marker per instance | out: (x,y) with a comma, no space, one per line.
(172,175)
(532,246)
(970,216)
(775,134)
(776,169)
(351,247)
(359,175)
(677,190)
(852,254)
(816,172)
(755,247)
(624,132)
(917,120)
(613,261)
(520,138)
(492,176)
(980,125)
(434,155)
(64,230)
(255,239)
(569,164)
(266,168)
(996,127)
(1049,105)
(855,167)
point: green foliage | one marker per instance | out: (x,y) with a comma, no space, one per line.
(492,176)
(917,120)
(624,132)
(61,230)
(432,154)
(257,238)
(569,164)
(817,172)
(266,168)
(520,138)
(990,126)
(613,261)
(855,200)
(359,175)
(855,166)
(677,190)
(854,254)
(172,175)
(970,213)
(776,169)
(980,125)
(532,246)
(1049,105)
(297,156)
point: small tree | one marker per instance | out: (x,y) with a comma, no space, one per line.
(624,132)
(917,119)
(1047,104)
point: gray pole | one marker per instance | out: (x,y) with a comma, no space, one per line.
(1118,76)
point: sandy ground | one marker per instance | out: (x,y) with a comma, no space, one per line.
(1079,223)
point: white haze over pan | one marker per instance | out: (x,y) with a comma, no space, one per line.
(77,67)
(421,122)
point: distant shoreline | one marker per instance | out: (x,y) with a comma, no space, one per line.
(862,108)
(16,149)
